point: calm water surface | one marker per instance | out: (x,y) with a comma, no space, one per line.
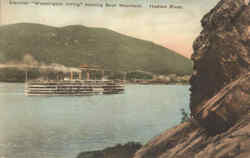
(61,127)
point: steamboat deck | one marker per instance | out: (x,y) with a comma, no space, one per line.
(72,88)
(78,83)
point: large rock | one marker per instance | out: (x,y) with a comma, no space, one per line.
(226,134)
(222,51)
(220,86)
(189,141)
(227,107)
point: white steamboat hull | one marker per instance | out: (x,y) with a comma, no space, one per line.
(72,88)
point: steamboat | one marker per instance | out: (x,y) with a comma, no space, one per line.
(81,82)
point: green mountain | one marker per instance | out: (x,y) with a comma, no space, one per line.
(75,45)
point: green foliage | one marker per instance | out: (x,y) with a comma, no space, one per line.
(184,115)
(116,75)
(12,75)
(15,74)
(75,45)
(139,75)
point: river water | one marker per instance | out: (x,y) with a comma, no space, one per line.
(62,127)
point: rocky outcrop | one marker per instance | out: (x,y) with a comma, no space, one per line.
(226,132)
(220,91)
(190,141)
(221,55)
(221,52)
(227,107)
(118,151)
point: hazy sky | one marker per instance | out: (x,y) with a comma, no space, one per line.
(172,28)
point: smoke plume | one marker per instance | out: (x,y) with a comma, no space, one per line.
(30,62)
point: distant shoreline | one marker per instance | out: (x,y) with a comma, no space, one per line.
(129,83)
(18,73)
